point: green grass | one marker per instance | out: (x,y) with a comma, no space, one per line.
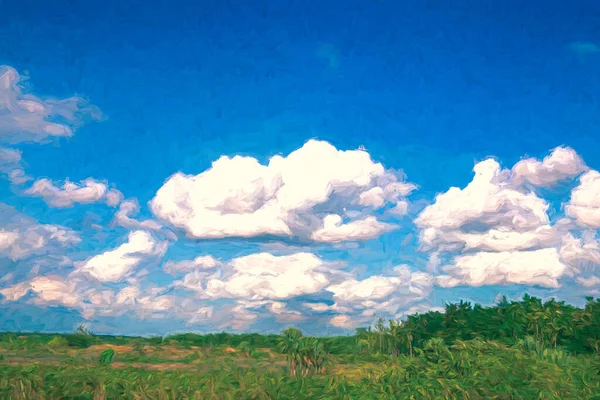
(465,353)
(468,370)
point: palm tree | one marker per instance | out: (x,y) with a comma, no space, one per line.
(408,331)
(552,314)
(516,317)
(380,326)
(245,347)
(395,332)
(319,356)
(534,312)
(289,343)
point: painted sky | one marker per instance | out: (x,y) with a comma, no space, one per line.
(244,166)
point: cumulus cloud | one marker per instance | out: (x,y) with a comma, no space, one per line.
(584,205)
(113,197)
(590,281)
(562,164)
(200,262)
(344,321)
(283,313)
(322,307)
(289,196)
(22,242)
(265,276)
(538,267)
(129,208)
(488,201)
(150,303)
(22,236)
(379,294)
(334,231)
(85,192)
(498,232)
(265,282)
(495,239)
(93,301)
(580,252)
(12,167)
(24,117)
(113,265)
(242,315)
(52,289)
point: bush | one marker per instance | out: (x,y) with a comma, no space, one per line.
(80,341)
(106,357)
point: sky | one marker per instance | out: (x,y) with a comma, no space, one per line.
(246,166)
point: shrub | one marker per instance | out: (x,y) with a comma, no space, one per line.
(80,341)
(106,357)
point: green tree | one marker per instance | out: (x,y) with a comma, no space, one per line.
(290,345)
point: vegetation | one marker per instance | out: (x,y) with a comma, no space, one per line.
(515,350)
(106,357)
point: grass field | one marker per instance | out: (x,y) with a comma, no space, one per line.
(36,367)
(434,363)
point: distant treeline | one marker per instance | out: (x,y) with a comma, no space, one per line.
(549,324)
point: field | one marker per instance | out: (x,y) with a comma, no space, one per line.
(417,359)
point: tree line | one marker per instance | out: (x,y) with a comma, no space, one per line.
(549,324)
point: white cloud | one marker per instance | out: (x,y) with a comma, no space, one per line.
(562,164)
(539,267)
(496,231)
(487,201)
(21,236)
(48,290)
(283,314)
(322,307)
(93,301)
(378,294)
(497,239)
(87,191)
(144,303)
(200,262)
(377,196)
(11,166)
(334,231)
(584,206)
(344,321)
(318,307)
(265,276)
(590,281)
(373,197)
(401,208)
(240,197)
(113,265)
(114,197)
(372,288)
(24,117)
(580,252)
(241,317)
(127,209)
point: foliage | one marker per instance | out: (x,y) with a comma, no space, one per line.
(549,324)
(525,349)
(106,357)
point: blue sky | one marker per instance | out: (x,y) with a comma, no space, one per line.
(427,90)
